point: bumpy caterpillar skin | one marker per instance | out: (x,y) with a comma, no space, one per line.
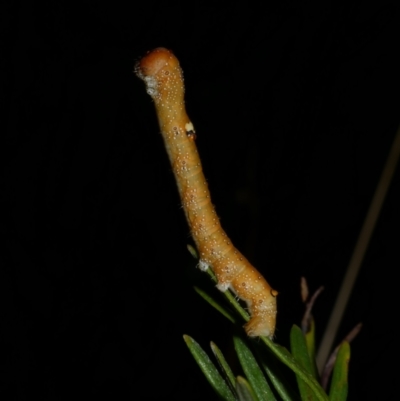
(161,72)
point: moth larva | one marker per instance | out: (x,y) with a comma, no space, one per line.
(161,72)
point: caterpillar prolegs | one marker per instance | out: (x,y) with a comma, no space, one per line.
(161,72)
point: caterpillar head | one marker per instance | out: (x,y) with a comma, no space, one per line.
(162,74)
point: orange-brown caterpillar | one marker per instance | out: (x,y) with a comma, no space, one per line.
(161,72)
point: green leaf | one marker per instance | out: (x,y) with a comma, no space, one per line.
(252,370)
(339,383)
(285,357)
(299,348)
(244,390)
(209,370)
(224,365)
(310,341)
(282,387)
(215,305)
(300,352)
(192,251)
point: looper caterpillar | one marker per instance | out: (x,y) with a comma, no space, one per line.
(161,72)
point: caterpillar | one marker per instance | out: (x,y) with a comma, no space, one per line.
(163,77)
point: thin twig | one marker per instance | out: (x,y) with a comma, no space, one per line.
(305,322)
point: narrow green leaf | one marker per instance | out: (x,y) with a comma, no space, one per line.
(310,341)
(209,370)
(193,251)
(300,352)
(339,383)
(252,370)
(285,357)
(244,390)
(280,384)
(224,365)
(215,305)
(211,273)
(330,364)
(299,348)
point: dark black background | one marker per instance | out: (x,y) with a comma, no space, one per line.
(295,105)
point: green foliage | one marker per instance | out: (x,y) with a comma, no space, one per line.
(209,370)
(263,379)
(300,352)
(339,384)
(252,370)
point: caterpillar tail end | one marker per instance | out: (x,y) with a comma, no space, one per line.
(251,287)
(259,326)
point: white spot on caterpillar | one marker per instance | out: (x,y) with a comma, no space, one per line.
(223,286)
(189,127)
(151,86)
(203,266)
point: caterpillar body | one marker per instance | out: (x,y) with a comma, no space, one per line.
(161,72)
